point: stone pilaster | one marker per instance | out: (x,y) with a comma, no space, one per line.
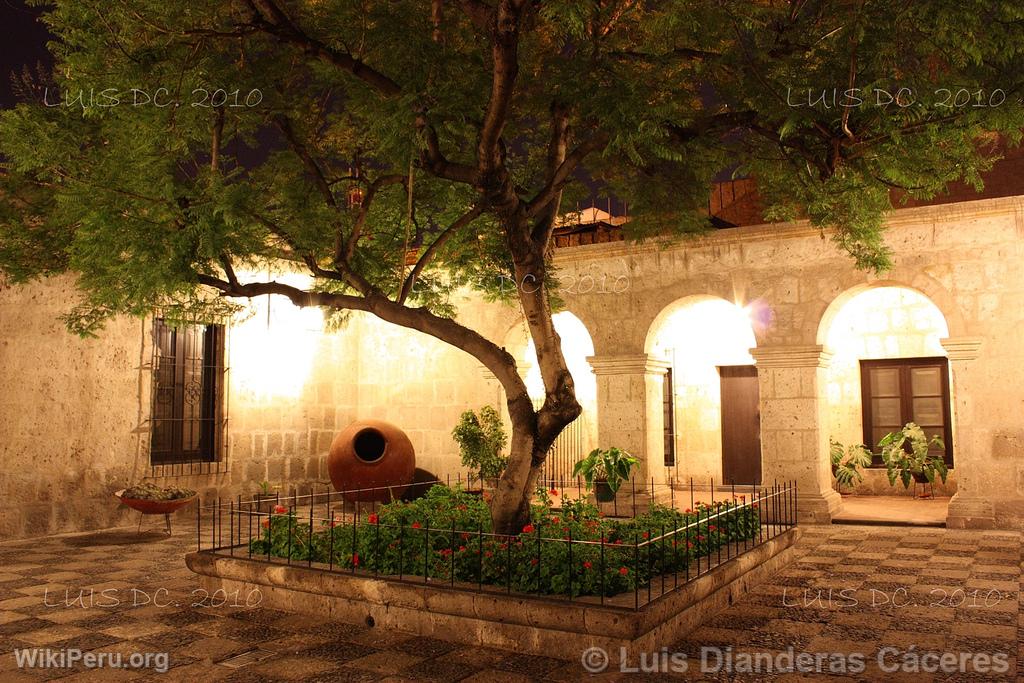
(629,410)
(973,505)
(794,445)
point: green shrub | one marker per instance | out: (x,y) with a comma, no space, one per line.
(481,439)
(446,535)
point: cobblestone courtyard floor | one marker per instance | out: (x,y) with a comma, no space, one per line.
(850,590)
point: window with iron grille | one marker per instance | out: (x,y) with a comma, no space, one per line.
(898,391)
(188,388)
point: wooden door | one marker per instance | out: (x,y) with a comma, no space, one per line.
(741,425)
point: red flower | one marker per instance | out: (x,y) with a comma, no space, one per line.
(355,559)
(712,527)
(554,520)
(553,492)
(462,548)
(533,561)
(280,509)
(465,536)
(587,565)
(415,525)
(753,505)
(373,519)
(266,523)
(623,570)
(689,544)
(488,553)
(645,535)
(528,529)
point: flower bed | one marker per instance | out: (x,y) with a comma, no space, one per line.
(572,550)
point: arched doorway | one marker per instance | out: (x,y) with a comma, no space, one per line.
(711,402)
(888,367)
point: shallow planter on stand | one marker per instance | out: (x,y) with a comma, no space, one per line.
(155,507)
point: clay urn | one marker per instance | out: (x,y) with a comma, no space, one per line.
(371,460)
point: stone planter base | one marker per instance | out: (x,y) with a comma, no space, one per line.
(554,627)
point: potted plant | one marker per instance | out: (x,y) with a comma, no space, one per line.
(847,462)
(906,456)
(481,438)
(604,471)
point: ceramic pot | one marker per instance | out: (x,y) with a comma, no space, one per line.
(371,460)
(602,492)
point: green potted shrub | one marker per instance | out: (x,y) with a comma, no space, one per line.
(847,463)
(906,456)
(481,438)
(604,471)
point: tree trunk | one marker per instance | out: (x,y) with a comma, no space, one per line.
(533,431)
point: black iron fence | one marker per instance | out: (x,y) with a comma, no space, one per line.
(667,536)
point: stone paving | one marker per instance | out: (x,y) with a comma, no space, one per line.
(915,589)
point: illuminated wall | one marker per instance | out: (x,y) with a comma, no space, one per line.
(697,335)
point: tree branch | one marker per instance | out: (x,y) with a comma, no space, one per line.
(428,255)
(564,171)
(494,358)
(434,161)
(505,58)
(344,253)
(272,19)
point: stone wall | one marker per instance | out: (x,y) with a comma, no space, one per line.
(74,413)
(966,258)
(73,419)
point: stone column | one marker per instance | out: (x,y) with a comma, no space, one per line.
(978,479)
(794,444)
(629,412)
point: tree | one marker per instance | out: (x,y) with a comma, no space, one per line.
(401,150)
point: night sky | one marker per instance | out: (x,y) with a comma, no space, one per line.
(22,41)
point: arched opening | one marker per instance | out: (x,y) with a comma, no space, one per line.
(577,345)
(888,367)
(710,396)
